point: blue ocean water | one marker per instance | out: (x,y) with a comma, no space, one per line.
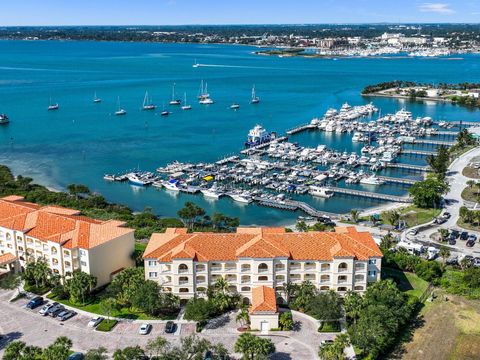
(82,141)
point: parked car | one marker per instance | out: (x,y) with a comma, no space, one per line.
(45,308)
(446,215)
(95,321)
(476,261)
(453,260)
(464,235)
(170,327)
(55,307)
(66,314)
(455,234)
(35,302)
(470,243)
(57,312)
(144,329)
(440,220)
(76,356)
(472,237)
(208,355)
(452,242)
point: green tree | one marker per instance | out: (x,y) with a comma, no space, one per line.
(11,281)
(158,347)
(285,321)
(471,183)
(125,285)
(428,270)
(190,214)
(444,253)
(301,226)
(353,307)
(355,214)
(428,193)
(392,217)
(97,354)
(443,234)
(325,306)
(78,189)
(18,350)
(37,273)
(252,347)
(108,306)
(439,163)
(79,286)
(129,353)
(387,242)
(334,351)
(243,317)
(301,295)
(60,349)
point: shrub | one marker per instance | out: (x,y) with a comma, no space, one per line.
(106,325)
(429,271)
(286,321)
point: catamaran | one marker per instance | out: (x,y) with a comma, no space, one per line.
(204,96)
(96,99)
(255,98)
(147,105)
(53,106)
(120,110)
(174,101)
(185,105)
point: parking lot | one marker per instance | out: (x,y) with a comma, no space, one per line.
(20,323)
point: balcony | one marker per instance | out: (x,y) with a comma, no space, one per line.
(246,268)
(183,282)
(310,267)
(295,267)
(216,269)
(230,268)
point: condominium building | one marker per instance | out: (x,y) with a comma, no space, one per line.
(186,264)
(64,238)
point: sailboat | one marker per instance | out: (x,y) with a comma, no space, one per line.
(204,97)
(147,105)
(174,101)
(53,106)
(96,99)
(255,98)
(195,65)
(235,106)
(164,112)
(120,110)
(185,105)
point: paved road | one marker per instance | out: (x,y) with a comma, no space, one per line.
(19,323)
(454,202)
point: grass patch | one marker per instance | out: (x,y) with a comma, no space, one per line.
(406,281)
(124,313)
(471,172)
(329,326)
(414,215)
(467,226)
(106,325)
(471,194)
(36,290)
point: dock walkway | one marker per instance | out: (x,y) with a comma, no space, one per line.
(398,180)
(407,166)
(371,195)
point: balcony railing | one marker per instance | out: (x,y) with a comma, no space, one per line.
(183,282)
(342,270)
(295,267)
(245,269)
(216,268)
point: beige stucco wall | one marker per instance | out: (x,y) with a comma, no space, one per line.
(257,319)
(109,257)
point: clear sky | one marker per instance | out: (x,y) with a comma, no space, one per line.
(179,12)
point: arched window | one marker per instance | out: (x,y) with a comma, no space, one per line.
(359,277)
(358,288)
(182,268)
(245,288)
(8,236)
(246,301)
(342,279)
(182,280)
(231,278)
(246,267)
(309,277)
(263,278)
(325,278)
(324,288)
(262,268)
(342,267)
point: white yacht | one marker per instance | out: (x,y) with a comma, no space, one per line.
(147,105)
(120,110)
(372,180)
(320,191)
(235,106)
(206,101)
(136,180)
(403,115)
(204,96)
(388,156)
(258,135)
(213,192)
(244,198)
(53,106)
(171,185)
(4,119)
(255,99)
(330,126)
(357,137)
(174,101)
(185,104)
(331,112)
(96,99)
(345,108)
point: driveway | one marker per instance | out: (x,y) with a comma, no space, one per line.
(19,323)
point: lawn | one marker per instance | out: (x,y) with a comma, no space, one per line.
(106,325)
(447,330)
(471,172)
(123,313)
(406,281)
(414,215)
(470,194)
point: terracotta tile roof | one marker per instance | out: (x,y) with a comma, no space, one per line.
(58,224)
(263,300)
(261,243)
(7,258)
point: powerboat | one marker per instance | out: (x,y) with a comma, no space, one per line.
(213,192)
(244,198)
(171,185)
(53,107)
(372,180)
(4,119)
(235,106)
(321,191)
(134,179)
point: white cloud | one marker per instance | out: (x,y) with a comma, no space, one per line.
(439,8)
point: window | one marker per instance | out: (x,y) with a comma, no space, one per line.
(325,267)
(342,267)
(152,274)
(53,250)
(342,289)
(263,278)
(359,278)
(279,267)
(83,252)
(83,263)
(245,288)
(201,289)
(280,278)
(325,278)
(359,266)
(342,279)
(358,288)
(183,290)
(372,261)
(372,273)
(324,288)
(200,279)
(245,279)
(200,267)
(182,280)
(182,268)
(246,267)
(262,268)
(152,263)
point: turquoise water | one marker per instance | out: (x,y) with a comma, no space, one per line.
(83,140)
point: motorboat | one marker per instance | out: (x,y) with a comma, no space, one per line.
(244,198)
(171,185)
(320,191)
(213,192)
(258,135)
(4,119)
(235,106)
(372,180)
(135,179)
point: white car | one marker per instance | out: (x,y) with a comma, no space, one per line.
(43,310)
(144,329)
(95,321)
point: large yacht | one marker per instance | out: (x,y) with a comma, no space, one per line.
(204,96)
(321,191)
(372,180)
(134,179)
(258,135)
(241,197)
(213,192)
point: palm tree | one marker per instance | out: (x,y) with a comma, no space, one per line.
(242,317)
(393,217)
(444,253)
(355,215)
(443,234)
(471,183)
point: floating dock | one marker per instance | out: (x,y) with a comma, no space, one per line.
(417,152)
(408,166)
(372,195)
(398,180)
(301,128)
(293,205)
(434,142)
